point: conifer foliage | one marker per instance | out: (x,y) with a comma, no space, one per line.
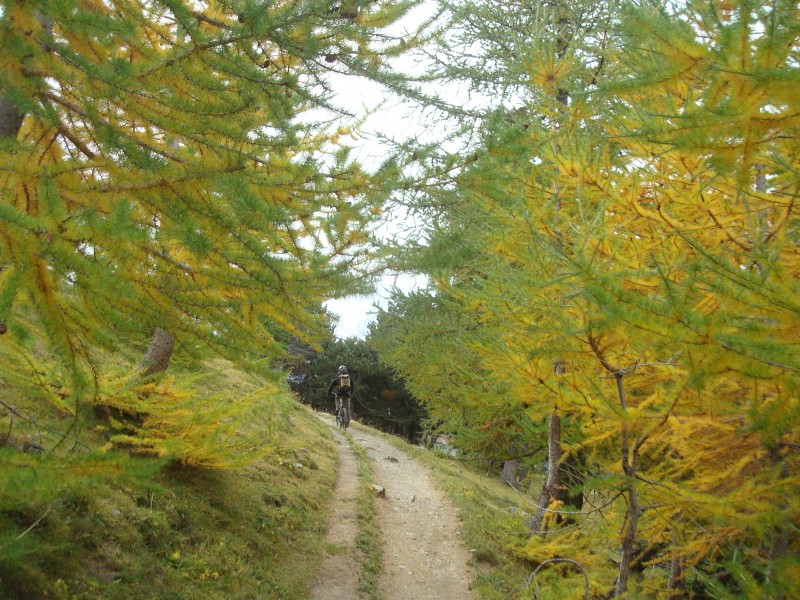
(158,170)
(172,171)
(621,251)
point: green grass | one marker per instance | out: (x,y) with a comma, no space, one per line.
(119,527)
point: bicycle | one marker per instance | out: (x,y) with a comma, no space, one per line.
(342,413)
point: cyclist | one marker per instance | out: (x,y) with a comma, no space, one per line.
(342,388)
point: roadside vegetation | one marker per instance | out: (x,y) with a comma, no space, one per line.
(123,527)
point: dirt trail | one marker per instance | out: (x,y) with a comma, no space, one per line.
(338,576)
(423,555)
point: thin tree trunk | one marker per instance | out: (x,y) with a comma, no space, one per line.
(159,354)
(573,475)
(675,584)
(552,487)
(509,474)
(779,541)
(629,465)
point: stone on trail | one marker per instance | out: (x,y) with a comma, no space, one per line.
(378,490)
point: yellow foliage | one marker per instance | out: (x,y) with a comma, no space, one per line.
(173,421)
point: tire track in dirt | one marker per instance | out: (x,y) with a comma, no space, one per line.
(423,555)
(337,578)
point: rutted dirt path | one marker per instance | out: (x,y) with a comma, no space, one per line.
(337,578)
(423,555)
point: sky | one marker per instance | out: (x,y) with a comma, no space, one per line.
(355,313)
(397,120)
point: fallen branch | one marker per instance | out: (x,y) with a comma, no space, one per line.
(29,529)
(532,576)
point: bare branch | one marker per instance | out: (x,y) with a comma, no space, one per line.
(13,410)
(563,512)
(532,576)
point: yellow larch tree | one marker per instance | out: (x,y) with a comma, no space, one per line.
(647,247)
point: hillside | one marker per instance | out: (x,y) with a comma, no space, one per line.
(152,528)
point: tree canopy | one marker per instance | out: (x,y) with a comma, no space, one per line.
(161,168)
(177,168)
(620,250)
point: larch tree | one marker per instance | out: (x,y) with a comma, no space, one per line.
(162,171)
(708,131)
(663,273)
(530,60)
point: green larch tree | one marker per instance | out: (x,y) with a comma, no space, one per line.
(161,171)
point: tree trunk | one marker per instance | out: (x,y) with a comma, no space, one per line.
(779,541)
(10,119)
(159,354)
(675,585)
(629,466)
(552,488)
(509,472)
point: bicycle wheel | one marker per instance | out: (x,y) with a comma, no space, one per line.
(345,418)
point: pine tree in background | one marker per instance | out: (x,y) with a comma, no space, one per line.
(380,400)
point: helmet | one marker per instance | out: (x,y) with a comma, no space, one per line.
(342,369)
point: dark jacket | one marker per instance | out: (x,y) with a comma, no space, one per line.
(340,392)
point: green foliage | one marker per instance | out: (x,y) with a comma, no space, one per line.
(463,397)
(121,527)
(169,173)
(621,252)
(177,421)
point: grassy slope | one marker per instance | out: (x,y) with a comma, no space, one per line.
(179,532)
(253,532)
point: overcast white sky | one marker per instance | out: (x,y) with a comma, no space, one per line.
(398,121)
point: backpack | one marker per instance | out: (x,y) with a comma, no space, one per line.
(344,381)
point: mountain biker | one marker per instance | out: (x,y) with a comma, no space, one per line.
(342,388)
